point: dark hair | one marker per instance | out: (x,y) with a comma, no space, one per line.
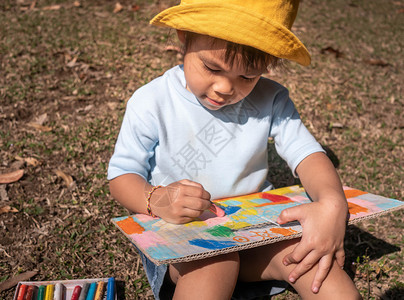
(250,56)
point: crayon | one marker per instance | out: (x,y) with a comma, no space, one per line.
(76,293)
(111,289)
(99,294)
(91,291)
(58,294)
(217,210)
(84,291)
(50,288)
(30,292)
(21,292)
(41,293)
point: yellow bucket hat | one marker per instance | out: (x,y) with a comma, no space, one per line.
(262,24)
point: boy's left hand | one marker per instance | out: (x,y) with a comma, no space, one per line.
(321,242)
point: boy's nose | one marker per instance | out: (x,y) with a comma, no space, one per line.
(223,86)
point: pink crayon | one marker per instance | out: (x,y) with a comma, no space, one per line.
(217,210)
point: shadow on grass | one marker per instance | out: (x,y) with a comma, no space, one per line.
(359,243)
(279,173)
(332,156)
(395,293)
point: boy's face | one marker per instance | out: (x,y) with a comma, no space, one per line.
(213,81)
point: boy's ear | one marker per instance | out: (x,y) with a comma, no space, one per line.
(181,36)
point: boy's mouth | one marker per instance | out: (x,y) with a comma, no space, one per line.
(214,102)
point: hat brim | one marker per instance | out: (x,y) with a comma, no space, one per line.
(232,23)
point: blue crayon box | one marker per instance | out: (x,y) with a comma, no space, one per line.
(67,287)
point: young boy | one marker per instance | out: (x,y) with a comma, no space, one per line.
(200,132)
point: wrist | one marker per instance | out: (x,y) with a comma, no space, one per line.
(335,199)
(336,208)
(148,200)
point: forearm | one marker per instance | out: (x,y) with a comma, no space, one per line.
(321,181)
(323,221)
(179,202)
(130,190)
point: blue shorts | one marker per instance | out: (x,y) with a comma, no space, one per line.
(163,289)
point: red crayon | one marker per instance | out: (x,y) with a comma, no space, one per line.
(76,293)
(217,210)
(30,292)
(21,292)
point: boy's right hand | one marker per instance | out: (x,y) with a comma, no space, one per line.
(180,202)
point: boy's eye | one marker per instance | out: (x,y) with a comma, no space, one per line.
(248,78)
(210,69)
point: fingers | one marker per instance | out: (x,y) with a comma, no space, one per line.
(324,266)
(302,266)
(183,210)
(195,204)
(292,214)
(297,254)
(193,189)
(181,201)
(340,257)
(305,259)
(190,182)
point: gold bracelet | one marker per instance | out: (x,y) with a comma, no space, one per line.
(149,212)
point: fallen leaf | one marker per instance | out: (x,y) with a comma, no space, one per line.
(376,62)
(22,2)
(331,50)
(104,43)
(66,178)
(76,4)
(3,193)
(118,8)
(7,208)
(31,161)
(32,6)
(135,7)
(85,109)
(72,63)
(336,125)
(16,279)
(112,105)
(52,7)
(11,177)
(66,128)
(40,119)
(40,127)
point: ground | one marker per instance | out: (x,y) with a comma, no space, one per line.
(67,69)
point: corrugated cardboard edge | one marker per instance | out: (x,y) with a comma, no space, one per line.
(249,245)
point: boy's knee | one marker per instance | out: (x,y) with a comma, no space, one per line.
(228,263)
(224,261)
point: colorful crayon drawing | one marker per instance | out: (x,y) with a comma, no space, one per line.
(250,221)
